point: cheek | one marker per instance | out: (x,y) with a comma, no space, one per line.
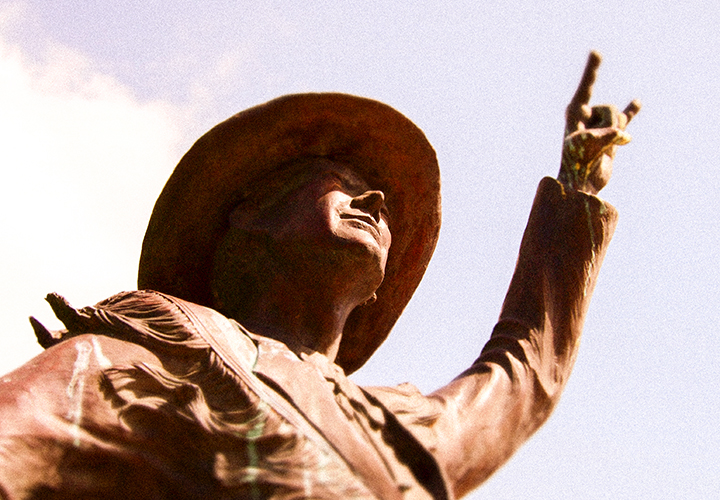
(311,210)
(385,243)
(387,246)
(387,237)
(331,204)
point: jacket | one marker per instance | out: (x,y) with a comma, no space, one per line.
(148,396)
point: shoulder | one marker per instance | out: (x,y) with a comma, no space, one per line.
(145,317)
(400,398)
(47,384)
(416,412)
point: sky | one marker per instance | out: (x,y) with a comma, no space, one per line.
(99,100)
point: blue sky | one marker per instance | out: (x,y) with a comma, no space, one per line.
(101,99)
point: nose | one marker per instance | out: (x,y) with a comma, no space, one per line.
(371,202)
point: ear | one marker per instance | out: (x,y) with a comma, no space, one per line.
(369,301)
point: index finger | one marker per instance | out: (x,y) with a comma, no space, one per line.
(584,90)
(582,95)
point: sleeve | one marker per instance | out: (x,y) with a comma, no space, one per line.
(474,424)
(130,402)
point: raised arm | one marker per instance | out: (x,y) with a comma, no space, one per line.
(487,412)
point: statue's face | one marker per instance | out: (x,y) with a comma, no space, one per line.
(332,209)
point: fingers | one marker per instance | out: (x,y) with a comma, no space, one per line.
(585,146)
(578,111)
(630,111)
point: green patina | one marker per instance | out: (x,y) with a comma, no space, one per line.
(255,433)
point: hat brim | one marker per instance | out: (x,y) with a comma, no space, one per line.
(385,148)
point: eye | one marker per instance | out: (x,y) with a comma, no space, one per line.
(344,184)
(336,181)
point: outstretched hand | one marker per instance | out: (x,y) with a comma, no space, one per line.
(592,135)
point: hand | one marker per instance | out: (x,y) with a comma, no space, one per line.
(592,136)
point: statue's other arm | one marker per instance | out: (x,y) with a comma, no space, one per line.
(491,409)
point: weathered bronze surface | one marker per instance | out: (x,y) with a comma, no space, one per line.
(278,257)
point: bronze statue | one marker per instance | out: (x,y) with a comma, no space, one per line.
(278,257)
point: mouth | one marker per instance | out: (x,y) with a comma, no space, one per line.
(365,221)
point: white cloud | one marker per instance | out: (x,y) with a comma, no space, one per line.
(82,162)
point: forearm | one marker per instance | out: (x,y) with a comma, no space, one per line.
(560,257)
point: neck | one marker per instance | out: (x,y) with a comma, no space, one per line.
(288,315)
(291,294)
(297,324)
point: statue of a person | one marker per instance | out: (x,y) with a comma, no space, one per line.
(278,257)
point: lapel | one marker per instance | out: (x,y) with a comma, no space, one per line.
(304,386)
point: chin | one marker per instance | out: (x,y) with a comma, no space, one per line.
(366,244)
(367,270)
(371,264)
